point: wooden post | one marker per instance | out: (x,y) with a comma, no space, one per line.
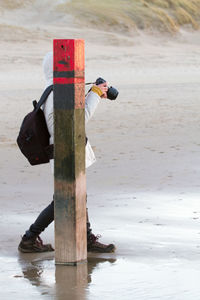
(69,152)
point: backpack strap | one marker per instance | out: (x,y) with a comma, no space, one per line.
(44,96)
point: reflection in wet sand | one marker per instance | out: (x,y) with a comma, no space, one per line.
(38,269)
(60,282)
(71,282)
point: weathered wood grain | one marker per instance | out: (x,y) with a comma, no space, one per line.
(69,152)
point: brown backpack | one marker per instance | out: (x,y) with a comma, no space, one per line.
(33,138)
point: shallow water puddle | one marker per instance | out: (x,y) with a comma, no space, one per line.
(31,277)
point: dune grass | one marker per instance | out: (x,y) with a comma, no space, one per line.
(127,15)
(124,15)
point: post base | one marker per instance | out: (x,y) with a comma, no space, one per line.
(75,263)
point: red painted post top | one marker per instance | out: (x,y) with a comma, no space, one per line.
(69,67)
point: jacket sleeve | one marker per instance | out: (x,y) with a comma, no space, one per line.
(91,102)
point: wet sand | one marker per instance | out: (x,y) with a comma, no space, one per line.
(143,192)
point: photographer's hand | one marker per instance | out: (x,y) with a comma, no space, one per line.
(104,88)
(101,89)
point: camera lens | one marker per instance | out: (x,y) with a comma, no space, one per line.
(112,93)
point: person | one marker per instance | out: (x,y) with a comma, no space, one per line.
(31,241)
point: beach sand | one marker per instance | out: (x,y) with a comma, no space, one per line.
(143,192)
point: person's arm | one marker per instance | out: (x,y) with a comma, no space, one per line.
(91,103)
(92,99)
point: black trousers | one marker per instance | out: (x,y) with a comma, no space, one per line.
(45,218)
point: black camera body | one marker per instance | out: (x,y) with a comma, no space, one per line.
(112,93)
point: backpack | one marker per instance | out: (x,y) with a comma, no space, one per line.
(33,138)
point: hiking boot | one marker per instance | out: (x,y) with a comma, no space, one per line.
(94,246)
(34,245)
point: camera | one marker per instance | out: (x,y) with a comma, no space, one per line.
(112,93)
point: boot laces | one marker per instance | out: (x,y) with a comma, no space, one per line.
(94,238)
(39,241)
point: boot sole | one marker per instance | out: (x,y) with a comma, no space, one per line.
(33,250)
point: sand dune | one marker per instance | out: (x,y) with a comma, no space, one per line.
(165,16)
